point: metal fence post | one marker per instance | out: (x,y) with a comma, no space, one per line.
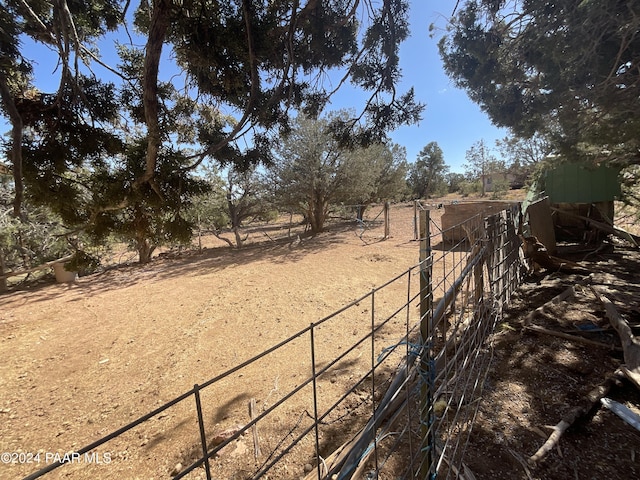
(387,207)
(203,436)
(314,377)
(416,235)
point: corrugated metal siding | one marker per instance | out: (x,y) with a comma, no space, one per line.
(571,183)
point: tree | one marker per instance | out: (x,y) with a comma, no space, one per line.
(428,171)
(261,60)
(566,69)
(245,199)
(236,199)
(85,172)
(389,163)
(481,162)
(311,171)
(454,181)
(523,155)
(377,173)
(65,28)
(149,216)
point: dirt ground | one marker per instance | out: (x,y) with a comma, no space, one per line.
(537,379)
(83,359)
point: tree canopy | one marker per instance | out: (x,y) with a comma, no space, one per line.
(428,172)
(569,69)
(257,61)
(312,172)
(119,157)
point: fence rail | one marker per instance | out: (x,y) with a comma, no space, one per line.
(399,396)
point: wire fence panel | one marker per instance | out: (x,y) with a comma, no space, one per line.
(396,399)
(486,269)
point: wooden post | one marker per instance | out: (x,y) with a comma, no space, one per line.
(426,334)
(415,220)
(3,280)
(387,207)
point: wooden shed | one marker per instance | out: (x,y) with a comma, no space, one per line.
(455,214)
(576,190)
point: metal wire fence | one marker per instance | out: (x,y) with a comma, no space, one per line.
(396,399)
(471,277)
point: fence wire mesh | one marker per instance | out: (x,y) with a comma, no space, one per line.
(397,399)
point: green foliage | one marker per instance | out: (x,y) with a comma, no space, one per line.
(116,160)
(480,160)
(631,193)
(210,42)
(209,209)
(566,69)
(427,174)
(311,171)
(454,181)
(237,199)
(246,195)
(40,236)
(150,216)
(468,187)
(523,155)
(500,189)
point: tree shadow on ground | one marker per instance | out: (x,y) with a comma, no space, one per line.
(191,262)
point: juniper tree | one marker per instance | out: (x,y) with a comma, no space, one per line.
(311,171)
(255,61)
(428,172)
(569,69)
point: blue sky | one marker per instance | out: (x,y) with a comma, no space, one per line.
(450,118)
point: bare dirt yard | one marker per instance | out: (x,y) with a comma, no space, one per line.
(81,360)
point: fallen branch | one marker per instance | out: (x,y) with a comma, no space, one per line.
(15,273)
(538,254)
(592,399)
(568,293)
(346,458)
(521,461)
(254,428)
(618,232)
(392,402)
(630,343)
(573,338)
(462,474)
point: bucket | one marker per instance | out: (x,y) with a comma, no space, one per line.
(62,275)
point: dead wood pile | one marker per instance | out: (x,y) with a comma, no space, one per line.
(630,346)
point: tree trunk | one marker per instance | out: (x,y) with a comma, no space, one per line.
(360,212)
(317,212)
(17,128)
(153,52)
(239,240)
(145,250)
(3,280)
(234,216)
(143,246)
